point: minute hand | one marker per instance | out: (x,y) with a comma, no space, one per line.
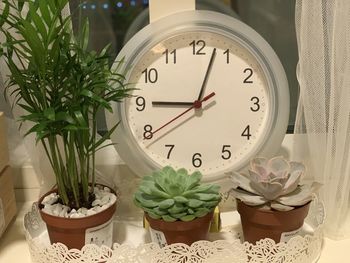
(211,62)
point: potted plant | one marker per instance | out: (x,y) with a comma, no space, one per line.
(270,200)
(177,206)
(60,85)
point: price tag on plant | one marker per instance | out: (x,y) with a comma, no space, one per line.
(101,235)
(286,236)
(158,237)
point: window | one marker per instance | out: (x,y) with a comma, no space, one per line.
(116,21)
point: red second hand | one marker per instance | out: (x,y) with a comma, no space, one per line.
(197,104)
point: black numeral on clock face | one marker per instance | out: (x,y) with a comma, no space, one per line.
(141,103)
(151,75)
(196,160)
(227,53)
(226,153)
(170,56)
(256,106)
(147,132)
(249,73)
(197,47)
(246,132)
(171,148)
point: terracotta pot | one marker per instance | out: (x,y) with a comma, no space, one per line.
(181,232)
(76,232)
(258,224)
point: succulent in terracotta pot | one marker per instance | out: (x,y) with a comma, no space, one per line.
(273,184)
(273,187)
(179,199)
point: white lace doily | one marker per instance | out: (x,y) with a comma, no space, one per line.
(300,249)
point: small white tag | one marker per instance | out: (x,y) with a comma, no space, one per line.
(100,235)
(158,237)
(2,218)
(286,236)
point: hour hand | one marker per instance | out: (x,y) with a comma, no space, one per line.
(171,103)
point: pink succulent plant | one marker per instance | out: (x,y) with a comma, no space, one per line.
(273,184)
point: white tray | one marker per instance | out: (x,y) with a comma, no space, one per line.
(132,244)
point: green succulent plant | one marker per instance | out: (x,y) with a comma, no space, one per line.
(176,195)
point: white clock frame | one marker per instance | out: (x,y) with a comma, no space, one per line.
(126,145)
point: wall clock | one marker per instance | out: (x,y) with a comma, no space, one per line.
(210,94)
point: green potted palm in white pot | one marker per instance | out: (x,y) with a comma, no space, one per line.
(60,86)
(271,200)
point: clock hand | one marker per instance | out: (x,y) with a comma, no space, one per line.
(211,62)
(171,103)
(195,105)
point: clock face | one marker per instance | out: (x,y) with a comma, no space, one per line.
(209,94)
(221,131)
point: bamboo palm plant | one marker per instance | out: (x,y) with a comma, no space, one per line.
(61,86)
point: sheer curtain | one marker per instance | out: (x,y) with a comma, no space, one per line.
(323,116)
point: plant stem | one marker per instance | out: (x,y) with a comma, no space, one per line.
(73,169)
(56,167)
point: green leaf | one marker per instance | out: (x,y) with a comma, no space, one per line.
(45,13)
(105,49)
(190,211)
(4,15)
(71,127)
(201,212)
(211,204)
(49,113)
(187,218)
(181,199)
(177,208)
(79,117)
(145,189)
(84,37)
(147,178)
(168,218)
(20,4)
(194,203)
(159,193)
(204,187)
(160,181)
(153,215)
(41,135)
(54,7)
(26,107)
(159,211)
(103,139)
(137,203)
(63,116)
(178,216)
(38,128)
(207,197)
(175,189)
(34,117)
(166,203)
(38,23)
(91,95)
(145,201)
(193,180)
(62,4)
(37,49)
